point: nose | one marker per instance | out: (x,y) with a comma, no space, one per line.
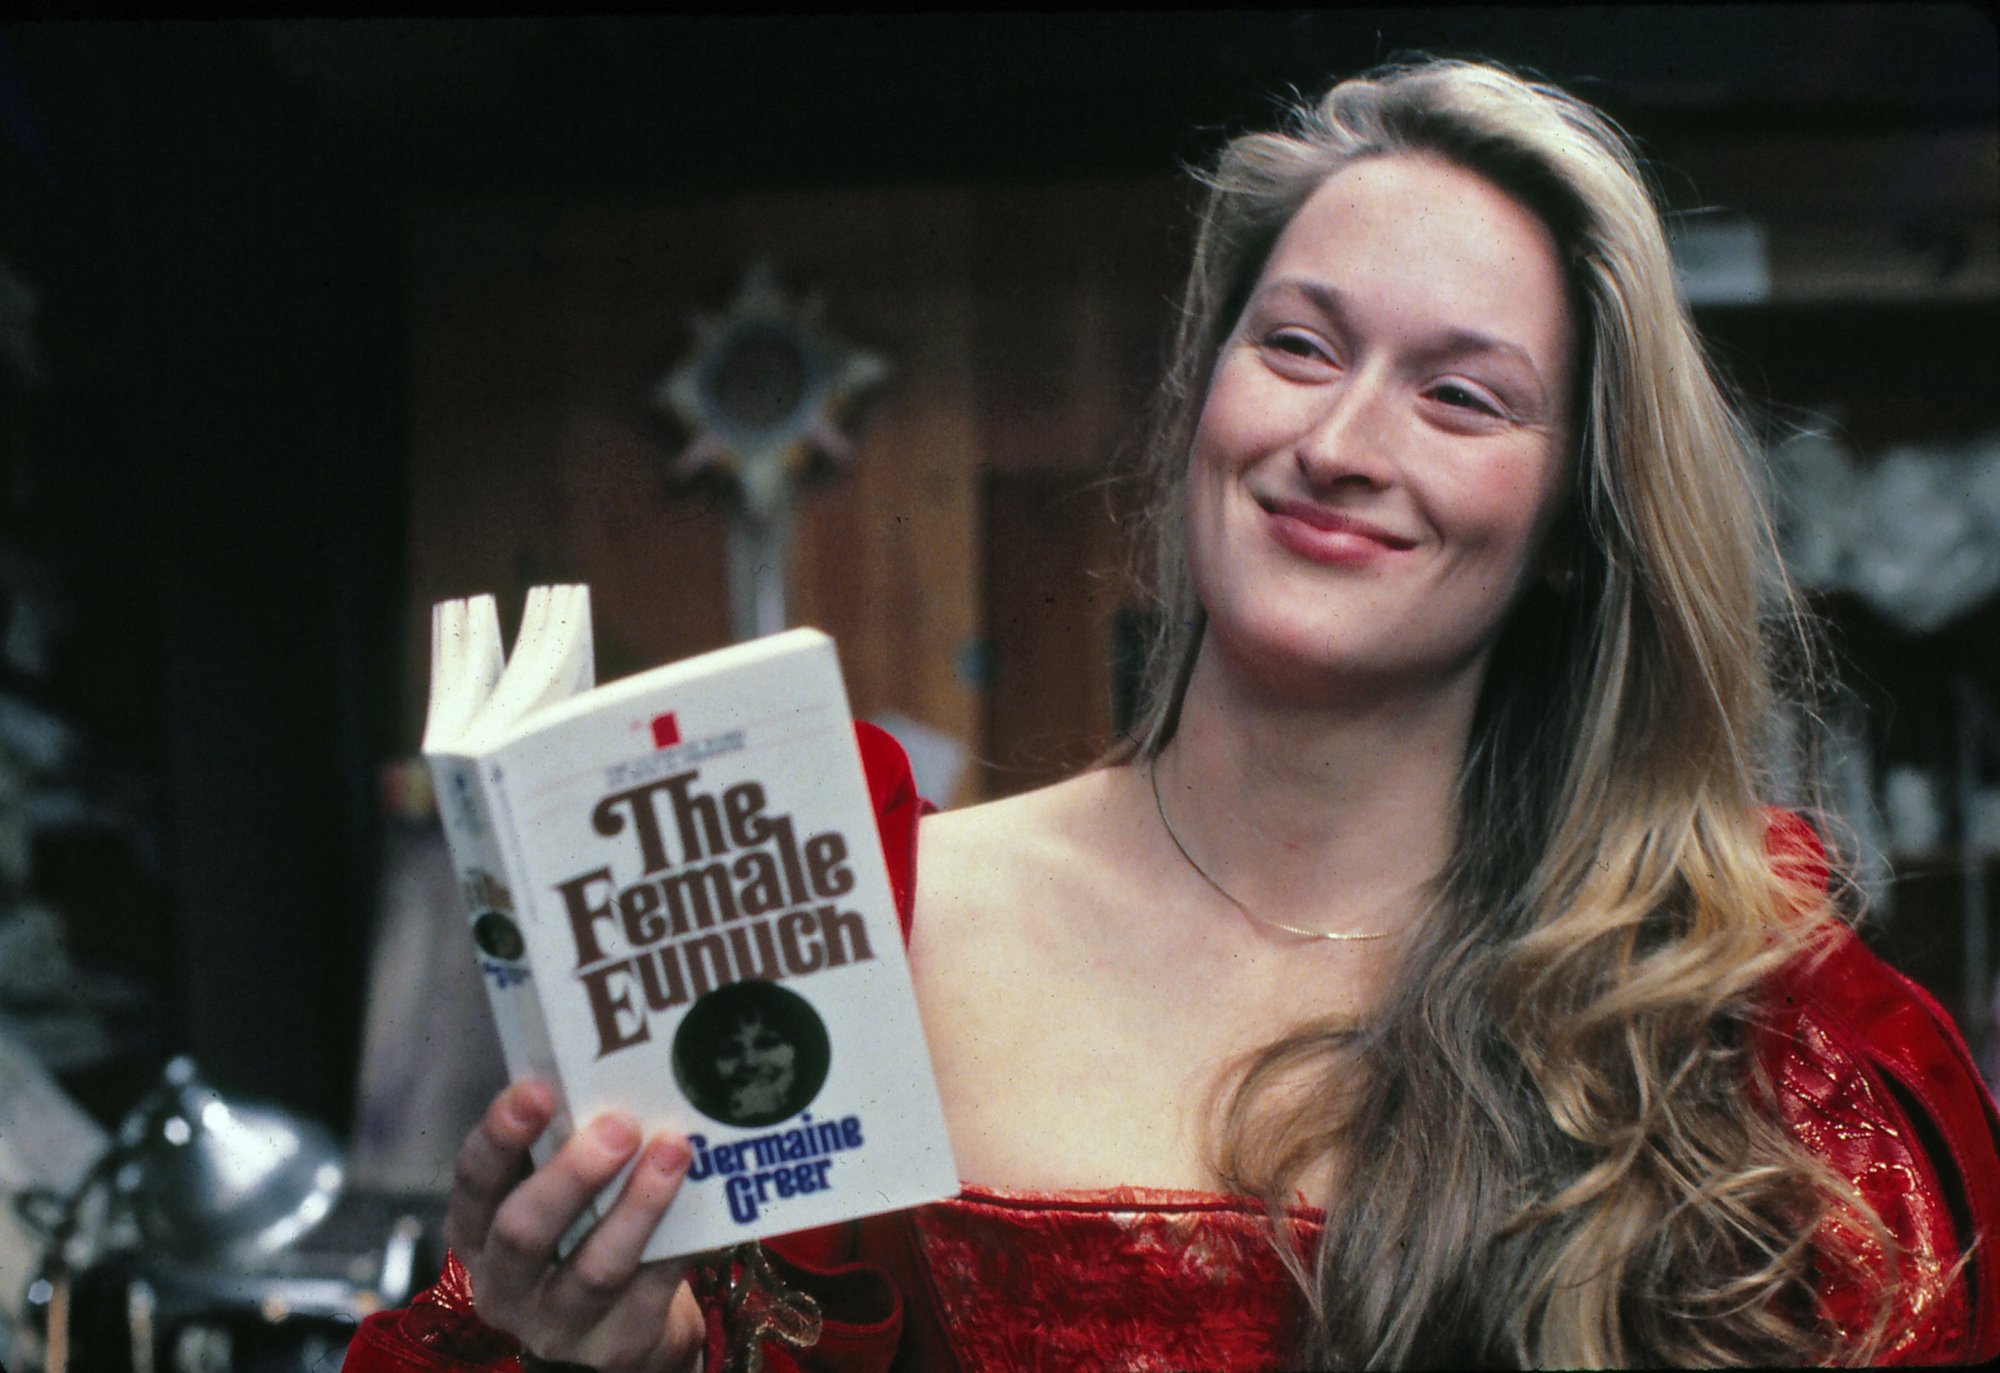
(1348,438)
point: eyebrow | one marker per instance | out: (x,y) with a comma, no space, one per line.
(1452,343)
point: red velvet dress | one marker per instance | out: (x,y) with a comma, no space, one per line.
(1871,1076)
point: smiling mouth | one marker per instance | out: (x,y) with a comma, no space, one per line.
(1324,520)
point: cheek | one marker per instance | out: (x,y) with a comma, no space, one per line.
(1238,426)
(1511,507)
(1238,414)
(1202,516)
(1201,491)
(1195,538)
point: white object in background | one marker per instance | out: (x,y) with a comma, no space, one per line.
(937,760)
(1720,258)
(1822,505)
(415,1103)
(1916,818)
(1935,516)
(1915,533)
(47,1144)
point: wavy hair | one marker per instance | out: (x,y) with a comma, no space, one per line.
(1571,1154)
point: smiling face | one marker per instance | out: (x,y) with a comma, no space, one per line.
(757,1065)
(1383,446)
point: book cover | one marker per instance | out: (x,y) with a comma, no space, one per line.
(681,911)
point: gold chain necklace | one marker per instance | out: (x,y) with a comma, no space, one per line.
(1153,773)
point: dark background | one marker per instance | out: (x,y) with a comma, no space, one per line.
(214,468)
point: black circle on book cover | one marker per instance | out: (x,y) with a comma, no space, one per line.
(751,1053)
(498,936)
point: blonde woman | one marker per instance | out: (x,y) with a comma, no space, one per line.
(1431,981)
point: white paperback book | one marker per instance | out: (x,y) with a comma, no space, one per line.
(681,911)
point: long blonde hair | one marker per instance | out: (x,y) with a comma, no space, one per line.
(1554,1128)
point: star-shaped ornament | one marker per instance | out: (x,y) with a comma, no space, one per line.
(764,392)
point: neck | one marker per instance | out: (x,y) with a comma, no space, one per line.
(1325,816)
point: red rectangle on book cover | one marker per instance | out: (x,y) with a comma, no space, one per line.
(666,732)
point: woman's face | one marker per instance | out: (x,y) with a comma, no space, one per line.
(1383,445)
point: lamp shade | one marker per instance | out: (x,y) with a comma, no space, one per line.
(211,1181)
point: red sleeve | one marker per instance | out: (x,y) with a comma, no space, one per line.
(898,808)
(1874,1078)
(862,1313)
(439,1332)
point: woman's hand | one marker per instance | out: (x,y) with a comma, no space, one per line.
(600,1306)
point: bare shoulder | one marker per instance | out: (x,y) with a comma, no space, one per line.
(987,864)
(1011,907)
(1019,884)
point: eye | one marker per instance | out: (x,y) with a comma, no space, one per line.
(1295,348)
(1459,396)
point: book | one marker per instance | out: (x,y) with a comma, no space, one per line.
(680,909)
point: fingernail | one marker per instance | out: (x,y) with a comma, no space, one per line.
(614,1133)
(669,1155)
(529,1106)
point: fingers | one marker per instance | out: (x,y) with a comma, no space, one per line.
(493,1159)
(601,1306)
(521,1244)
(655,1326)
(687,1328)
(605,1264)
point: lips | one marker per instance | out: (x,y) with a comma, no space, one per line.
(1324,534)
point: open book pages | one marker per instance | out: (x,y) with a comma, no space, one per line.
(476,693)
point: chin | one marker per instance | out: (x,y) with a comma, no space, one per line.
(1287,659)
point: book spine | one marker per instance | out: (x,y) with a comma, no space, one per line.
(490,876)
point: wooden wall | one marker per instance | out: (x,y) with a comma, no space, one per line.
(969,564)
(968,561)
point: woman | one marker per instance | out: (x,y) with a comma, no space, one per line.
(1427,982)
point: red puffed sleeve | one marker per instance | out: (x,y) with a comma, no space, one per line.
(439,1332)
(898,808)
(1874,1078)
(861,1310)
